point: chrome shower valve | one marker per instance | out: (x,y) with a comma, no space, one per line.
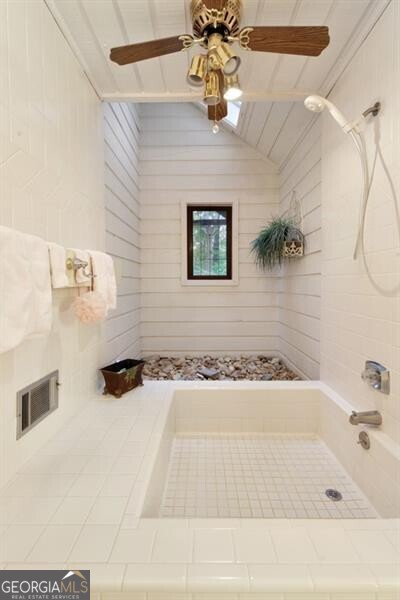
(376,376)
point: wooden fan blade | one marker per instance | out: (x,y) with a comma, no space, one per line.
(219,111)
(125,55)
(306,41)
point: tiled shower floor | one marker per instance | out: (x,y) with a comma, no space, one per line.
(269,476)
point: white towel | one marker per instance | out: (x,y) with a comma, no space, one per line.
(58,259)
(25,288)
(104,281)
(80,277)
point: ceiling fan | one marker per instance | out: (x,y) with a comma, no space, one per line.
(216,27)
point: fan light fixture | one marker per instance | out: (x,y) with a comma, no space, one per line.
(198,70)
(212,92)
(221,55)
(232,89)
(227,59)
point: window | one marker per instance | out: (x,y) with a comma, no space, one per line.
(233,113)
(209,242)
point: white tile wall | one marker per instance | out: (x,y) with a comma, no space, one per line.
(122,203)
(51,185)
(361,299)
(181,160)
(375,471)
(232,410)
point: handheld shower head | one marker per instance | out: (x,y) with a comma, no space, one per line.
(317,104)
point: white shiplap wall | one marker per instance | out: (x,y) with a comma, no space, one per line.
(122,201)
(51,185)
(181,160)
(300,284)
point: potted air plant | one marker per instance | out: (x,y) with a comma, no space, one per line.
(280,239)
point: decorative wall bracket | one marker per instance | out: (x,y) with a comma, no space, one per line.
(293,248)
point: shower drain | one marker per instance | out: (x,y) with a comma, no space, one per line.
(333,495)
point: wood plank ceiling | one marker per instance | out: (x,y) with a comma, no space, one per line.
(277,82)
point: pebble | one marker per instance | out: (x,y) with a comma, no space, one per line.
(233,368)
(208,373)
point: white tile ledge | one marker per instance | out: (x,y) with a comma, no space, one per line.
(234,578)
(285,574)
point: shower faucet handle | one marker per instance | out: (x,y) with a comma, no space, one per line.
(376,376)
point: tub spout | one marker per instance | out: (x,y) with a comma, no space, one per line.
(369,417)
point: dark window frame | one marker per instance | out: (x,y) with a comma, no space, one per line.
(190,209)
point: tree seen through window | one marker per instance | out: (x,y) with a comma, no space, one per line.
(209,242)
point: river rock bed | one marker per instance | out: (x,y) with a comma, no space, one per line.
(231,368)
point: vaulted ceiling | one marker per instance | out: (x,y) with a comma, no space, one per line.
(277,82)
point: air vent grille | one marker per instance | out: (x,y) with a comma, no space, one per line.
(35,402)
(40,401)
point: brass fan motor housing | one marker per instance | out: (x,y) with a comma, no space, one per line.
(209,14)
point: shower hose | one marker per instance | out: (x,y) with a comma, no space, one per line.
(359,142)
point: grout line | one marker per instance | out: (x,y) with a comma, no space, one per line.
(122,239)
(314,360)
(109,121)
(134,131)
(109,167)
(317,340)
(114,193)
(122,221)
(122,166)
